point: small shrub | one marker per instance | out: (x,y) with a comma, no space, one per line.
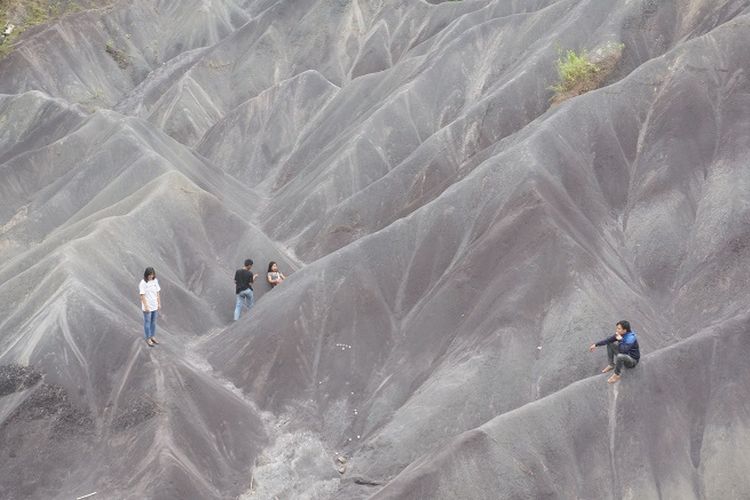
(583,72)
(118,55)
(575,70)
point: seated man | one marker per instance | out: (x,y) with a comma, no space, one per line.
(622,350)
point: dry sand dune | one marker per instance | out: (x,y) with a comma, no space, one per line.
(453,243)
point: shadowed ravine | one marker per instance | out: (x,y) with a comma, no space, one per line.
(453,241)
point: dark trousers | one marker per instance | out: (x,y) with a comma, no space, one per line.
(619,360)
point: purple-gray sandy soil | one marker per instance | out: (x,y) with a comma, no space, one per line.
(453,244)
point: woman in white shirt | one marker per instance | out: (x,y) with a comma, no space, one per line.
(150,303)
(274,276)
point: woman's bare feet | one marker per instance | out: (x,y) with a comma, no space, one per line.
(608,368)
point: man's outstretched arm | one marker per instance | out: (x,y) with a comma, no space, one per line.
(606,341)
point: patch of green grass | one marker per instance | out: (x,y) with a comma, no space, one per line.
(7,44)
(37,14)
(25,14)
(574,70)
(581,72)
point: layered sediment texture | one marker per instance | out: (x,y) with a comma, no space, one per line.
(453,245)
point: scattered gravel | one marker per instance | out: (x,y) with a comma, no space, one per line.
(14,378)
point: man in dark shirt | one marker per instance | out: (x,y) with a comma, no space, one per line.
(243,281)
(622,350)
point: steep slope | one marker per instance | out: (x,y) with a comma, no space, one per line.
(454,245)
(471,332)
(673,431)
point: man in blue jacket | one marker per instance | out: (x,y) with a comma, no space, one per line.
(622,350)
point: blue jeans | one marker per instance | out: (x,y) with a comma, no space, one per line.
(149,323)
(244,297)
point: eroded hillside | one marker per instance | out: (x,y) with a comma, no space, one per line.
(453,242)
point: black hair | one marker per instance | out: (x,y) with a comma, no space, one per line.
(270,265)
(248,262)
(148,272)
(625,325)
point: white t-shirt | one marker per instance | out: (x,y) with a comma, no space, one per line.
(150,289)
